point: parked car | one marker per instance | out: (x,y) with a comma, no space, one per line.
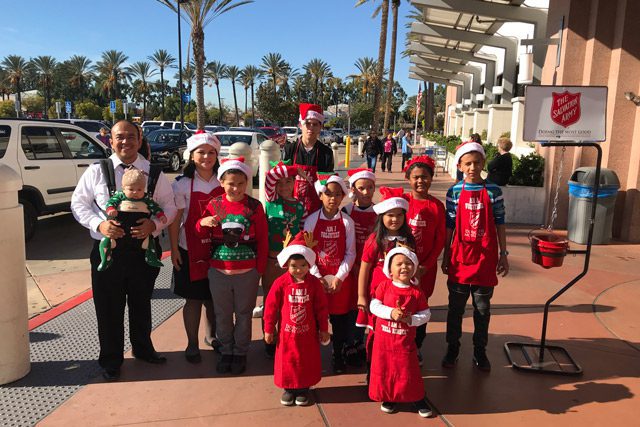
(50,157)
(214,128)
(253,139)
(293,133)
(148,129)
(339,133)
(327,137)
(92,126)
(246,129)
(169,124)
(167,147)
(275,134)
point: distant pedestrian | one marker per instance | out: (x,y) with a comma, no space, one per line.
(103,136)
(372,149)
(389,148)
(407,148)
(501,167)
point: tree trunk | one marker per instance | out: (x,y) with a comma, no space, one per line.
(246,100)
(162,92)
(253,109)
(392,63)
(219,103)
(197,36)
(380,71)
(235,102)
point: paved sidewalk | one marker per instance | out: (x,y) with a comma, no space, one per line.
(596,321)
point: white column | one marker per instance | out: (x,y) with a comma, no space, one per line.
(499,121)
(481,120)
(520,146)
(467,124)
(14,317)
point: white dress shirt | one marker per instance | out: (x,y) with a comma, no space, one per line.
(382,311)
(182,196)
(350,248)
(91,196)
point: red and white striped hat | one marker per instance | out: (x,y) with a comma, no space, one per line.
(282,169)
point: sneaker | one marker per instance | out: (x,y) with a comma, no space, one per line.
(420,360)
(451,358)
(224,364)
(423,408)
(287,398)
(362,353)
(213,343)
(269,350)
(238,364)
(338,364)
(481,361)
(388,407)
(351,357)
(302,399)
(257,312)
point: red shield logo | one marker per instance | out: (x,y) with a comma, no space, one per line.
(298,314)
(565,108)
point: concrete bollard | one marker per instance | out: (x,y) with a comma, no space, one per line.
(334,147)
(14,313)
(242,149)
(269,152)
(360,145)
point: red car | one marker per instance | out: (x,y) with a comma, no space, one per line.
(275,134)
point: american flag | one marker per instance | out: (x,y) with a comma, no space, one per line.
(419,99)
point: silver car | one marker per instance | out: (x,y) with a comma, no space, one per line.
(253,139)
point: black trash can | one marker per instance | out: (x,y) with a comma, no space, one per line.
(581,188)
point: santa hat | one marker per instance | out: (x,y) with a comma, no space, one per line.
(423,160)
(361,173)
(237,163)
(201,137)
(325,178)
(468,147)
(311,111)
(302,244)
(279,170)
(391,199)
(399,250)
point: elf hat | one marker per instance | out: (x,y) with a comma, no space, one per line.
(468,147)
(201,137)
(278,171)
(237,163)
(361,173)
(399,250)
(235,221)
(325,178)
(391,199)
(302,244)
(311,111)
(425,160)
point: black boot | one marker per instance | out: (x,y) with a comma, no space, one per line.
(451,358)
(480,359)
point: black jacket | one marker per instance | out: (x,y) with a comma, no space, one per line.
(320,155)
(372,147)
(500,169)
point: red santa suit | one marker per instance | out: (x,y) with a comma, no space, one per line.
(395,373)
(426,218)
(300,310)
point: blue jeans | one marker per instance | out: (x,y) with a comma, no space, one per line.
(371,162)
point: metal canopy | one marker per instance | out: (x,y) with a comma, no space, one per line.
(445,65)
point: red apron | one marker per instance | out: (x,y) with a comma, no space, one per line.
(474,252)
(421,223)
(395,373)
(364,222)
(330,251)
(304,190)
(297,361)
(199,248)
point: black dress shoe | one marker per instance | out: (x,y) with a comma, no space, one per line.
(154,358)
(111,374)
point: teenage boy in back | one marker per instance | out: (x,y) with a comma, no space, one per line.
(478,253)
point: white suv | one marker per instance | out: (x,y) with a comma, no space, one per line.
(50,157)
(169,124)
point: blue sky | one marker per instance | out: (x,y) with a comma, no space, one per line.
(332,30)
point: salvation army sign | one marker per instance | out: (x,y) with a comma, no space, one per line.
(565,113)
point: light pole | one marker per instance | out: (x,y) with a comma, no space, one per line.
(180,65)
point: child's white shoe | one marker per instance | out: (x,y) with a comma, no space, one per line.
(257,312)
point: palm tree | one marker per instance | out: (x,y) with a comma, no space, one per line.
(5,90)
(366,75)
(163,60)
(273,64)
(233,74)
(395,5)
(111,70)
(16,69)
(80,72)
(45,67)
(199,13)
(215,71)
(318,70)
(300,87)
(384,10)
(142,71)
(287,73)
(252,73)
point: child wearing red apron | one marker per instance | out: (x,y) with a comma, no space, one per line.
(190,253)
(237,226)
(298,305)
(336,252)
(399,307)
(478,253)
(391,230)
(426,217)
(362,183)
(284,214)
